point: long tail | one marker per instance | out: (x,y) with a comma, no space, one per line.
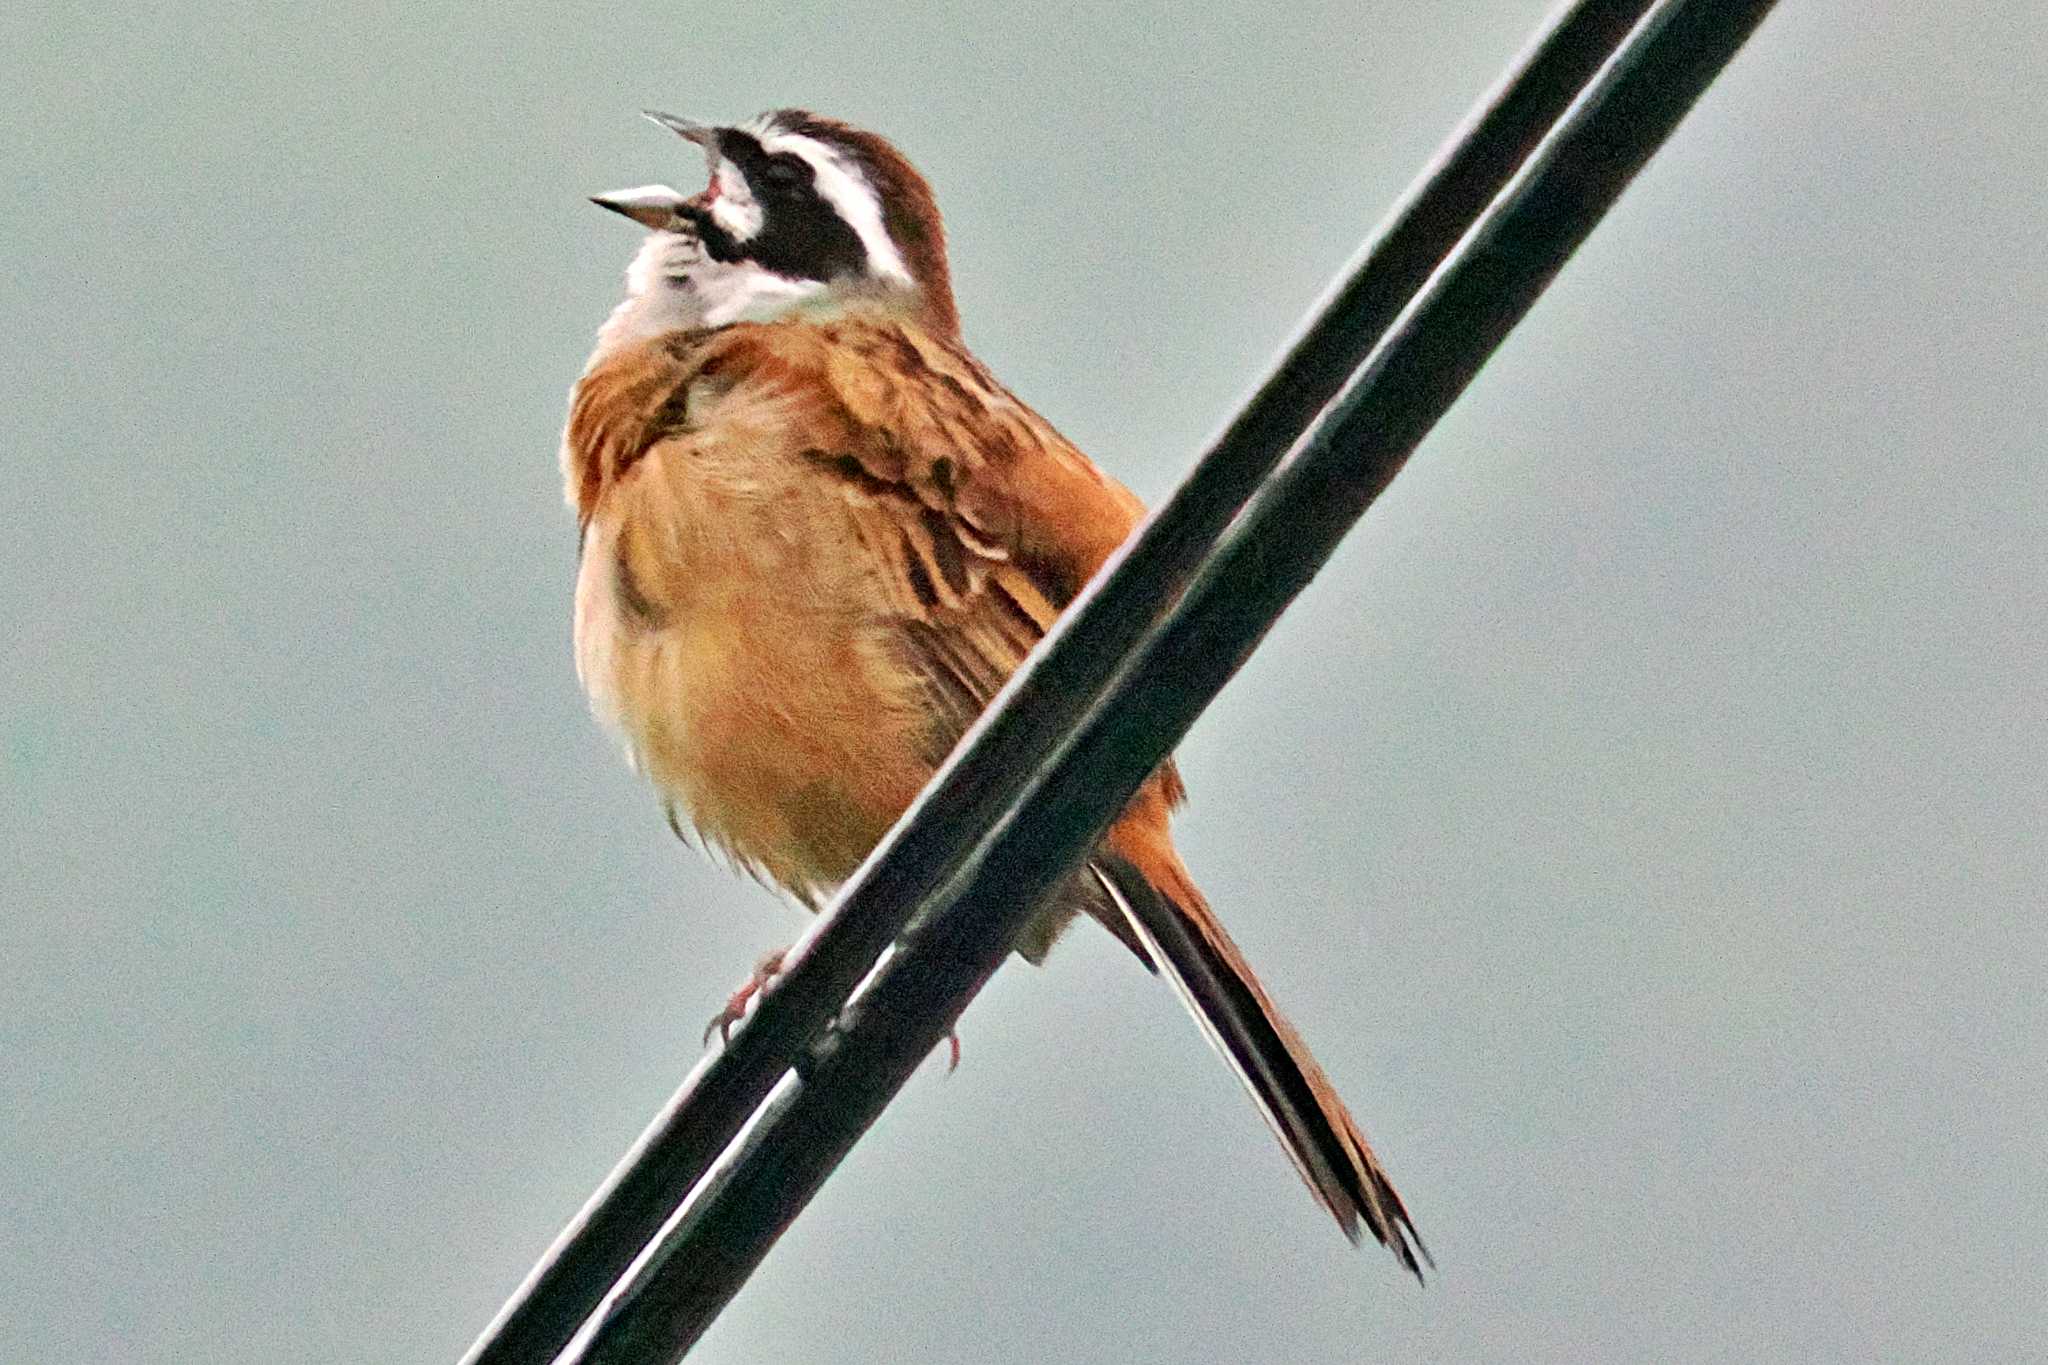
(1184,939)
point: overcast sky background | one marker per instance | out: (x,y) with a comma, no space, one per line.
(1642,816)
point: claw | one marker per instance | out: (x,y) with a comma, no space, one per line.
(766,970)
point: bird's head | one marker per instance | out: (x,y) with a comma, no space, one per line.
(802,212)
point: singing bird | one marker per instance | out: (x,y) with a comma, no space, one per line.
(818,535)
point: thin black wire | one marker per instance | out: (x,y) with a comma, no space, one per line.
(1287,533)
(724,1090)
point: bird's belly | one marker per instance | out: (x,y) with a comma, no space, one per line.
(774,724)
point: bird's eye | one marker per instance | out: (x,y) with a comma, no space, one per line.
(784,172)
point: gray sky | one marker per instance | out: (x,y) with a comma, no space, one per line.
(1641,817)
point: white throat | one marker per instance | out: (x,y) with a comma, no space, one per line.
(673,286)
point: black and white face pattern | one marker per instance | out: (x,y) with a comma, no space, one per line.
(789,221)
(794,205)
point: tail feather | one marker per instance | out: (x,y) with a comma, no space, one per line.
(1195,955)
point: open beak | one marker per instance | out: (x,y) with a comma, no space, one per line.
(655,206)
(689,130)
(652,206)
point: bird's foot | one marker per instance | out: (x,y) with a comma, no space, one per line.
(765,971)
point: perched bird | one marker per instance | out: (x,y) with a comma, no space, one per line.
(818,535)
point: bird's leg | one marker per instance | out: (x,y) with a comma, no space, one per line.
(766,970)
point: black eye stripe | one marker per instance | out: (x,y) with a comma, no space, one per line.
(801,234)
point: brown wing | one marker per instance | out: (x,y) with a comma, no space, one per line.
(983,523)
(982,520)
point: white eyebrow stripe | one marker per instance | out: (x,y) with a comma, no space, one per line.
(847,190)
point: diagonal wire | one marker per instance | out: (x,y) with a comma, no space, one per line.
(1295,522)
(1048,696)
